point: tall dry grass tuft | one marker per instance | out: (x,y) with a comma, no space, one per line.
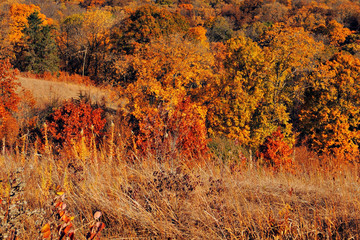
(145,198)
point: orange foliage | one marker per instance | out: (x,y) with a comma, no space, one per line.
(18,15)
(9,101)
(60,77)
(74,120)
(275,152)
(337,33)
(181,133)
(199,34)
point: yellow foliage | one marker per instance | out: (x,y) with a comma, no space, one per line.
(199,33)
(330,116)
(337,33)
(96,23)
(18,16)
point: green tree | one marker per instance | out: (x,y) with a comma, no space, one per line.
(39,51)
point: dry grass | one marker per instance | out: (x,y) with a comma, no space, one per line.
(45,91)
(145,199)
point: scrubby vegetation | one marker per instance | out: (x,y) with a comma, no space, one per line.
(229,120)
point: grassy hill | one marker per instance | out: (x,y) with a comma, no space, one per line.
(46,91)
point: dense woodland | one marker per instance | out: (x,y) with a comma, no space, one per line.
(253,71)
(264,76)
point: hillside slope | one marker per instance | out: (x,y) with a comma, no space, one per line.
(48,91)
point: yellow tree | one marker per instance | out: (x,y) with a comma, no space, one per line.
(330,115)
(238,93)
(84,42)
(260,86)
(291,53)
(164,79)
(96,27)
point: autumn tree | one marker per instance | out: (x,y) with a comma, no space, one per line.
(146,23)
(275,153)
(159,77)
(262,87)
(337,33)
(84,44)
(39,53)
(9,101)
(96,28)
(291,53)
(72,44)
(241,108)
(330,114)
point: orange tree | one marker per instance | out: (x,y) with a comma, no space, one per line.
(9,101)
(275,153)
(157,80)
(330,114)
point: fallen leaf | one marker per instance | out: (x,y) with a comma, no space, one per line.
(97,215)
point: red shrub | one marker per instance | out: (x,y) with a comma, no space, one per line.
(9,101)
(275,152)
(170,135)
(67,122)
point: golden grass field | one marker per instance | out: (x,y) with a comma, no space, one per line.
(144,199)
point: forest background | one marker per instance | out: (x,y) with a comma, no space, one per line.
(203,88)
